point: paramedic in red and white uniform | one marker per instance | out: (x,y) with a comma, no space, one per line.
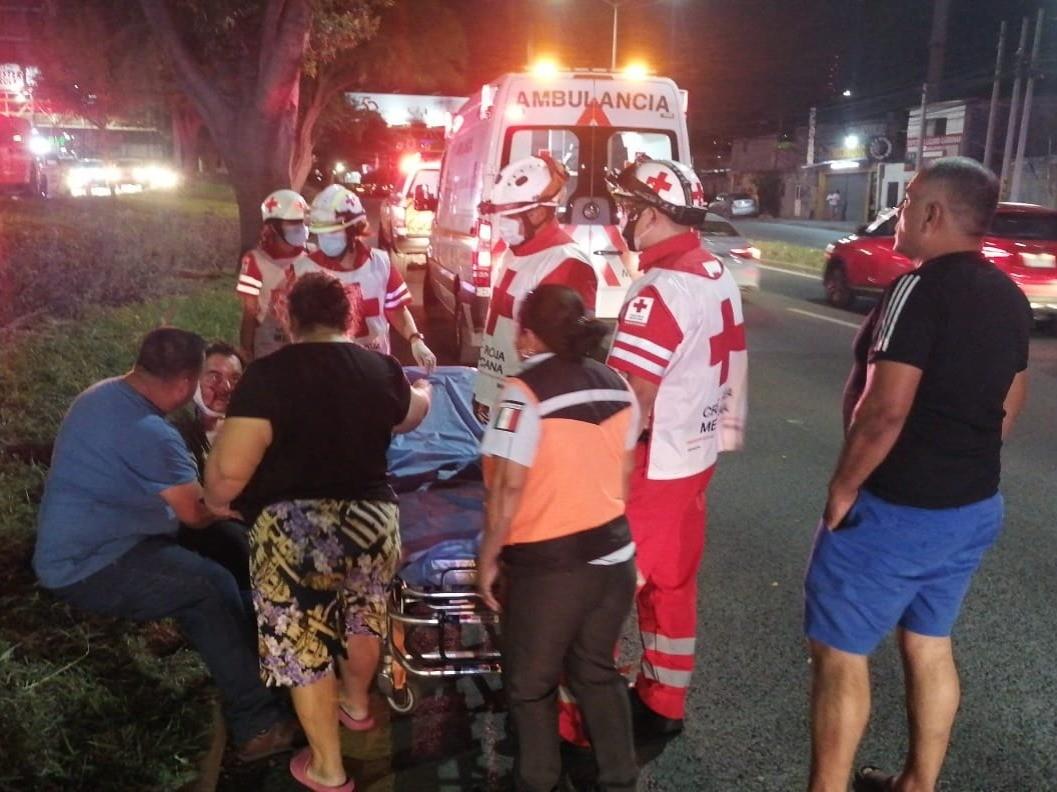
(522,211)
(265,270)
(680,341)
(376,289)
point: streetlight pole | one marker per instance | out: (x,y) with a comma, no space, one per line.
(613,57)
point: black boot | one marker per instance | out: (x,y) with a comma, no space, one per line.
(650,725)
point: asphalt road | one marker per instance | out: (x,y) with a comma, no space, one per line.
(747,727)
(810,234)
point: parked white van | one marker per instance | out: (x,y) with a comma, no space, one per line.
(593,122)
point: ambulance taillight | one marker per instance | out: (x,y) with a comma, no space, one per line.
(482,256)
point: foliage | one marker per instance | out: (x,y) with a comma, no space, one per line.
(66,254)
(97,62)
(792,256)
(49,366)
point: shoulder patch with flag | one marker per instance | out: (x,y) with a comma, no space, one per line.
(509,415)
(639,311)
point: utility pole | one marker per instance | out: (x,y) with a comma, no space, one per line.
(811,122)
(937,43)
(996,91)
(921,131)
(613,57)
(1022,141)
(1014,107)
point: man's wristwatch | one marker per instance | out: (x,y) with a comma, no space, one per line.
(411,338)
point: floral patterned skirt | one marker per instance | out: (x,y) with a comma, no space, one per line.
(320,569)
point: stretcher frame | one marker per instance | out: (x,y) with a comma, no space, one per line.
(453,605)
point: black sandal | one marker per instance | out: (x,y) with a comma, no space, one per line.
(872,779)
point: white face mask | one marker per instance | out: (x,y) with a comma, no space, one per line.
(296,236)
(201,405)
(510,230)
(333,244)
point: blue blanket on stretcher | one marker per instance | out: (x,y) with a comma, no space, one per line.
(436,471)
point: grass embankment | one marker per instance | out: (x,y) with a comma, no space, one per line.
(87,703)
(795,257)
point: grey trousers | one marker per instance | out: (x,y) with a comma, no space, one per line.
(568,621)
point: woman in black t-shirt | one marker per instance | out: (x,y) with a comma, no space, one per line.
(302,455)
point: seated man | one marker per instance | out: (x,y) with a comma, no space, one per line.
(225,541)
(121,479)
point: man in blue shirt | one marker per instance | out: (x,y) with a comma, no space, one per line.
(120,483)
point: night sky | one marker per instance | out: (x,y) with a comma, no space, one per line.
(756,65)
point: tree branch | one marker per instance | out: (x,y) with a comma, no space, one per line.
(198,87)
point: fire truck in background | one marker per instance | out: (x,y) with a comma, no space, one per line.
(594,122)
(22,150)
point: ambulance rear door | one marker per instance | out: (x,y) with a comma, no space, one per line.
(594,124)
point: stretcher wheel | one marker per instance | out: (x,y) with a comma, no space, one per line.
(403,700)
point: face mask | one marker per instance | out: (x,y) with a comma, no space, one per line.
(333,244)
(201,405)
(510,230)
(295,235)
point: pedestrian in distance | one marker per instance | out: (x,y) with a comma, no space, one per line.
(522,208)
(833,201)
(557,529)
(940,376)
(680,341)
(376,289)
(265,270)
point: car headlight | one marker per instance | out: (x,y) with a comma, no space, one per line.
(163,178)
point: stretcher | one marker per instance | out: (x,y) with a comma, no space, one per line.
(439,628)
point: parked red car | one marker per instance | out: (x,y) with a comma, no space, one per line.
(1022,242)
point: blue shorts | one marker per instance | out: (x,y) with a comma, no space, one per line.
(894,565)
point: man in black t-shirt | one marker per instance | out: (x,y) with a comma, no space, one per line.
(913,505)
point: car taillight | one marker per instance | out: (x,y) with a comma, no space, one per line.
(746,253)
(995,253)
(482,256)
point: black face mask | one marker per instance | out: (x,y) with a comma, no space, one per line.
(629,228)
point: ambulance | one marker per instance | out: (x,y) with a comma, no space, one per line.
(594,122)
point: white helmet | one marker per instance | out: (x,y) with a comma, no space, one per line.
(284,205)
(525,184)
(670,187)
(335,208)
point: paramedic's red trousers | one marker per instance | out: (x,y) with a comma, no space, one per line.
(668,523)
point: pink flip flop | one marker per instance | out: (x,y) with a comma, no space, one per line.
(354,724)
(299,770)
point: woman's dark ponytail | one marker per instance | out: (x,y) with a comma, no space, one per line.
(556,315)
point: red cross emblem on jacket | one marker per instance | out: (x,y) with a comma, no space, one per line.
(730,339)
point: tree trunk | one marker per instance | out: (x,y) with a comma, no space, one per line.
(253,129)
(257,154)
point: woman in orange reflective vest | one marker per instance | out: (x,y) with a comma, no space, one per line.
(558,450)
